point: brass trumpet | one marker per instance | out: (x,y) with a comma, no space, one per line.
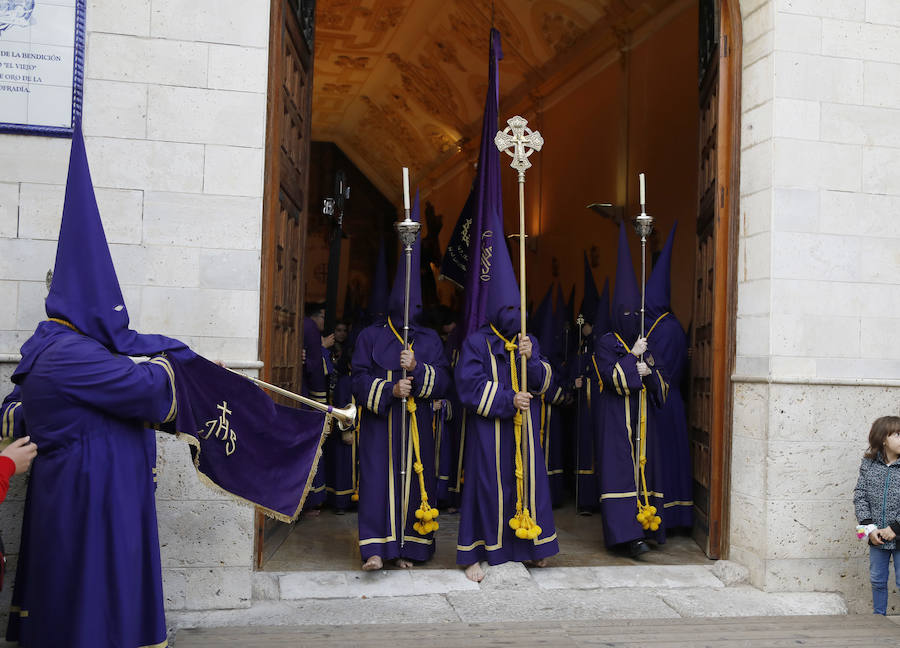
(346,416)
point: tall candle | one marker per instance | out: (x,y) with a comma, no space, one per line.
(643,191)
(406,188)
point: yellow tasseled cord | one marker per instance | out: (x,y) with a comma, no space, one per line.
(522,522)
(424,514)
(646,513)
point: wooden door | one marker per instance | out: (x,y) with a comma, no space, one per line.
(285,212)
(712,332)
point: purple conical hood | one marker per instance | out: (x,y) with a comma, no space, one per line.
(542,321)
(570,306)
(487,206)
(85,290)
(626,310)
(659,285)
(553,344)
(602,322)
(378,295)
(397,298)
(589,300)
(560,306)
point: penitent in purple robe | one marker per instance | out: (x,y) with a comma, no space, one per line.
(587,498)
(89,568)
(484,385)
(340,457)
(617,414)
(443,450)
(315,386)
(452,441)
(551,419)
(552,441)
(376,368)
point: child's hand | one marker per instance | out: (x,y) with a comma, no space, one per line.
(886,534)
(21,451)
(875,537)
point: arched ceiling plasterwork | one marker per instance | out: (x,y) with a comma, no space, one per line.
(402,82)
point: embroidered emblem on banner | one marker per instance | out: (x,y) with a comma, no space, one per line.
(487,251)
(221,428)
(465,231)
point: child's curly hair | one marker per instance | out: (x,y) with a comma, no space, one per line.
(882,428)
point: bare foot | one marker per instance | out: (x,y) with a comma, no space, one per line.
(312,512)
(373,564)
(452,510)
(403,563)
(536,563)
(475,573)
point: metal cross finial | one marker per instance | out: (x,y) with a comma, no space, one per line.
(519,142)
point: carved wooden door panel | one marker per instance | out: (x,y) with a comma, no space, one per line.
(712,331)
(285,211)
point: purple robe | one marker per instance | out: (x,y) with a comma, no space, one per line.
(450,452)
(376,368)
(340,457)
(552,442)
(617,420)
(443,451)
(89,567)
(669,344)
(586,473)
(484,385)
(315,386)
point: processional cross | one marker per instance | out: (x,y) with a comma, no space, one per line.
(519,142)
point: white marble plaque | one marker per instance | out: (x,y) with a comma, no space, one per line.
(41,63)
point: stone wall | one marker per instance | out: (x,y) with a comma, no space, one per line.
(818,284)
(174,123)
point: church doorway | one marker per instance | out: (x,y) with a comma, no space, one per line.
(615,91)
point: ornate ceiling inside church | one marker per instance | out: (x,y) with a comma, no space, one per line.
(402,82)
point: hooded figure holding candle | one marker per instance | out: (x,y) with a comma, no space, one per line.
(633,379)
(389,527)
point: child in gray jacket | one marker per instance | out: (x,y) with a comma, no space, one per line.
(877,503)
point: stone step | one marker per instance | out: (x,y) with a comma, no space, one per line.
(414,582)
(509,592)
(768,632)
